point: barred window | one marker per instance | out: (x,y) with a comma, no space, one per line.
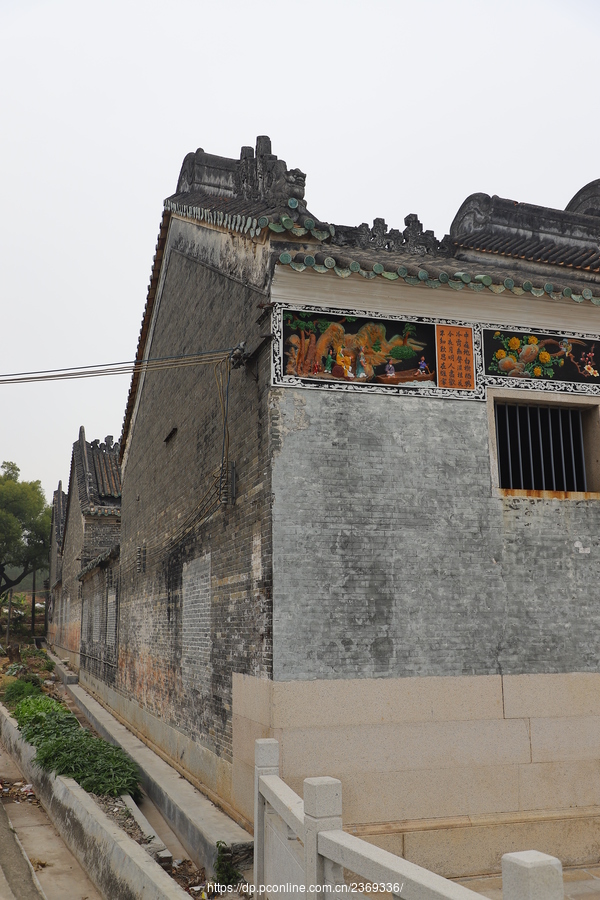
(540,448)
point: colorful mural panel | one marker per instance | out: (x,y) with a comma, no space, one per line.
(455,364)
(539,356)
(358,350)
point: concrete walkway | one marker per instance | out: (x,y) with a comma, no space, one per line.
(16,875)
(26,829)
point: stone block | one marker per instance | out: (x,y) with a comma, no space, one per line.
(531,875)
(245,733)
(478,849)
(390,748)
(552,695)
(556,785)
(322,797)
(252,698)
(565,739)
(369,701)
(430,793)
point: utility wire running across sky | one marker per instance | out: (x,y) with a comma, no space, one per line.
(124,368)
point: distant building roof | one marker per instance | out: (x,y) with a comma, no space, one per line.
(98,475)
(535,234)
(59,511)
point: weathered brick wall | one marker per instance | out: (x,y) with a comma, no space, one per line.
(67,610)
(99,621)
(101,533)
(86,537)
(392,558)
(189,617)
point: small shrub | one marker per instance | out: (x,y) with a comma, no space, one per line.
(18,690)
(225,871)
(49,665)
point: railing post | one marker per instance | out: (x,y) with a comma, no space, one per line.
(266,762)
(322,812)
(531,875)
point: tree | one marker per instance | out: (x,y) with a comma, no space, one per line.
(24,527)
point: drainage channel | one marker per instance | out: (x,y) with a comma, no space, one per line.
(38,864)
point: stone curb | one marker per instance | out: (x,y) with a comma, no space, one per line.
(120,868)
(196,821)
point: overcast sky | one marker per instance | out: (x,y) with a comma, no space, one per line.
(389,106)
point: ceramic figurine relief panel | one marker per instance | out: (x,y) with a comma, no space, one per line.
(327,348)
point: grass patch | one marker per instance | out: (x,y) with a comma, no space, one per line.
(67,749)
(18,690)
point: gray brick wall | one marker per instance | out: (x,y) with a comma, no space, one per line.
(196,623)
(392,558)
(164,481)
(99,621)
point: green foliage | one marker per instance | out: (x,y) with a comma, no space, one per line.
(42,719)
(15,669)
(225,871)
(377,346)
(28,652)
(24,526)
(33,706)
(402,352)
(96,765)
(17,690)
(67,749)
(49,665)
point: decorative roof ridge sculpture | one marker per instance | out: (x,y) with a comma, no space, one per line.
(247,194)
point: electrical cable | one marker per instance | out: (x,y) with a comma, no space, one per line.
(118,368)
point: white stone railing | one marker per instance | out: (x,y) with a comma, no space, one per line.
(300,848)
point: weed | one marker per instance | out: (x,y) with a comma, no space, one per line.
(225,871)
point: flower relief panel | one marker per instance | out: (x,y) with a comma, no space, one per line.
(540,356)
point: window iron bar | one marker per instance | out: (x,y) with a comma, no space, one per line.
(572,449)
(510,477)
(519,445)
(531,472)
(582,450)
(551,450)
(542,463)
(562,449)
(523,431)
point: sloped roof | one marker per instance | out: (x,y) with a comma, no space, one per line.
(98,475)
(567,238)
